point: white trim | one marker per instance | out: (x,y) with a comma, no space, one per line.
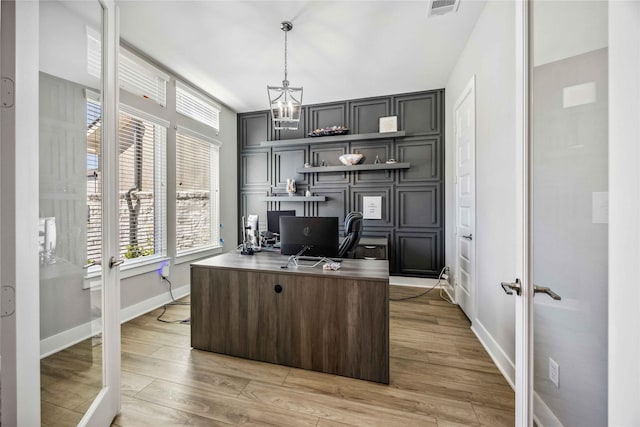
(523,303)
(143,307)
(142,115)
(197,254)
(415,282)
(195,134)
(497,354)
(543,415)
(62,340)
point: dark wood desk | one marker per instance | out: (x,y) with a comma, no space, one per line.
(328,321)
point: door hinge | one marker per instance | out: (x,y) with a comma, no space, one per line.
(8,300)
(6,92)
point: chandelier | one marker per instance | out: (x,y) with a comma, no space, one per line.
(285,102)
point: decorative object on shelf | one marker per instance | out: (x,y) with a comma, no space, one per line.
(308,193)
(390,161)
(323,163)
(350,159)
(307,165)
(329,131)
(388,124)
(377,160)
(285,102)
(291,186)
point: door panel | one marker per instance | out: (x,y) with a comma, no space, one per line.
(76,286)
(464,136)
(568,210)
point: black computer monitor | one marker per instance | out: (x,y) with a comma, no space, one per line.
(273,219)
(317,235)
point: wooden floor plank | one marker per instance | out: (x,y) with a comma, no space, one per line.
(197,377)
(220,408)
(381,395)
(440,375)
(331,407)
(139,413)
(224,364)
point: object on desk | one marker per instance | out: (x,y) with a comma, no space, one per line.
(350,159)
(331,266)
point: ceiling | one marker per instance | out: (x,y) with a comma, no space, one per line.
(337,49)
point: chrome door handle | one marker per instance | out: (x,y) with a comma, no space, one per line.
(92,263)
(545,290)
(468,237)
(509,287)
(113,262)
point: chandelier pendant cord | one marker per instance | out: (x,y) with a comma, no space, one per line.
(285,59)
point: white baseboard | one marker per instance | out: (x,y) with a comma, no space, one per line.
(499,357)
(416,282)
(62,340)
(147,305)
(542,414)
(57,342)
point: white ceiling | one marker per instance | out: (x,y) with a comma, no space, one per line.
(337,49)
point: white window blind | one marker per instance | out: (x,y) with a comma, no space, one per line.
(197,202)
(141,78)
(94,53)
(142,194)
(197,106)
(94,175)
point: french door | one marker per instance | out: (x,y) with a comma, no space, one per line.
(78,211)
(562,296)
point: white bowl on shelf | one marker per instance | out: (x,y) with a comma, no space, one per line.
(350,159)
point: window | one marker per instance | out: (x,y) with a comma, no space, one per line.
(196,106)
(197,203)
(142,188)
(94,185)
(141,78)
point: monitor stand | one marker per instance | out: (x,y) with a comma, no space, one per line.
(295,259)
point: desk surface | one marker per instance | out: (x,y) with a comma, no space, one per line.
(376,270)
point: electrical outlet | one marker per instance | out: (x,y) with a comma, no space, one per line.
(165,271)
(554,372)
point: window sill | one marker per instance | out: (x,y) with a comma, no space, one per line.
(93,280)
(189,256)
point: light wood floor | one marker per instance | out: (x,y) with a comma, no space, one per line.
(440,376)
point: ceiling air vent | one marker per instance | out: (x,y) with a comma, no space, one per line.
(442,7)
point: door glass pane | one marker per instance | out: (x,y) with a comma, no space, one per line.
(569,210)
(70,209)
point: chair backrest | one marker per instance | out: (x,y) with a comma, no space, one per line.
(353,223)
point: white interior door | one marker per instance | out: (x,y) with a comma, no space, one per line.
(79,281)
(465,130)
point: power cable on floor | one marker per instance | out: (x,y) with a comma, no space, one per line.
(173,302)
(427,291)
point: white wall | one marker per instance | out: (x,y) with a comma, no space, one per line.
(490,56)
(624,209)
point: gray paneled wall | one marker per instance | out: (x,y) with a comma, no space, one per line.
(412,199)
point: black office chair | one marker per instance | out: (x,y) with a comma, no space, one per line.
(353,223)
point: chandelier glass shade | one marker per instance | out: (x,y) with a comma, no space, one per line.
(285,102)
